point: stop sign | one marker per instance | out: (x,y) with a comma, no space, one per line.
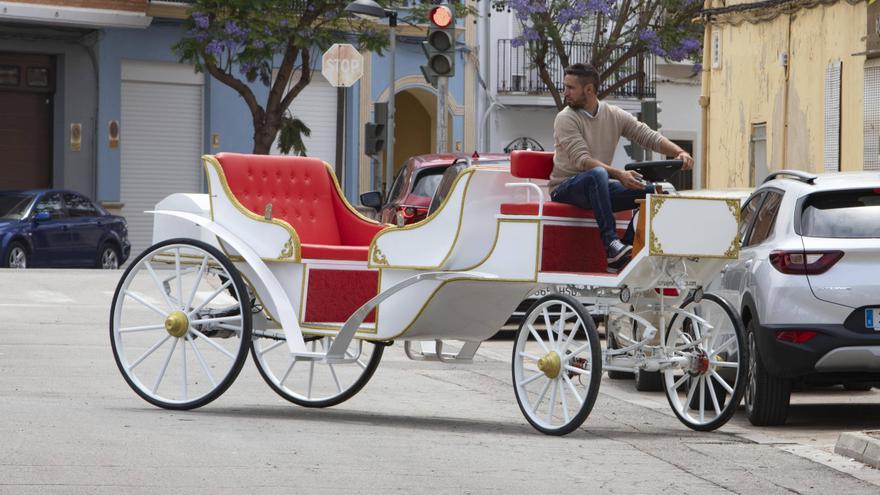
(342,65)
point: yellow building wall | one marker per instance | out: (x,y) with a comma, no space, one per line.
(750,87)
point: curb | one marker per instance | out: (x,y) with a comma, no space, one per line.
(863,446)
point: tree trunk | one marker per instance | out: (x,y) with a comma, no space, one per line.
(264,136)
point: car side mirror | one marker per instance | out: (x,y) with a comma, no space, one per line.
(42,216)
(372,199)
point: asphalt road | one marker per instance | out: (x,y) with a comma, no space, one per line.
(70,424)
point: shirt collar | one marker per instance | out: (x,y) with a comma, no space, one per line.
(591,115)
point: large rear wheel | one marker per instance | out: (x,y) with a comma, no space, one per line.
(706,387)
(180,324)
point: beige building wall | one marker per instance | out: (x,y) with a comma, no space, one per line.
(752,85)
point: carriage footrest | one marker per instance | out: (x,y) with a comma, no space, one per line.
(432,350)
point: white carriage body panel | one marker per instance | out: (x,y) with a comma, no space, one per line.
(169,227)
(673,221)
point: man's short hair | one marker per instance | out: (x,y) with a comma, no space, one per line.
(586,74)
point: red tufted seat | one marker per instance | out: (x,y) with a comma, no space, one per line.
(527,164)
(303,193)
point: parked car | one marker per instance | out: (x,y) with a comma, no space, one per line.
(807,283)
(58,228)
(415,184)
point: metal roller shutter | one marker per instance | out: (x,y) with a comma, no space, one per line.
(316,106)
(161,141)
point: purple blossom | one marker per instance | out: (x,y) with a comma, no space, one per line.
(246,67)
(605,7)
(214,48)
(258,44)
(283,23)
(202,21)
(234,31)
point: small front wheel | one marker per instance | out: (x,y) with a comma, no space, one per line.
(557,364)
(179,336)
(708,343)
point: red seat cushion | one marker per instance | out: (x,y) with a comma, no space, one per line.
(325,252)
(303,193)
(528,164)
(553,209)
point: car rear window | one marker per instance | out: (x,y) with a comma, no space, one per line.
(427,181)
(13,206)
(851,214)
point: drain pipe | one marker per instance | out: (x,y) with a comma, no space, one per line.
(705,91)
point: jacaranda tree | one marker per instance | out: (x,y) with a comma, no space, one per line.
(239,42)
(615,34)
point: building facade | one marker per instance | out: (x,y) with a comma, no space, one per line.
(790,85)
(92,98)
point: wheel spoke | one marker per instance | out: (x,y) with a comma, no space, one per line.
(721,381)
(212,343)
(579,371)
(574,330)
(529,356)
(144,328)
(724,346)
(222,319)
(526,381)
(725,364)
(273,345)
(573,389)
(147,304)
(537,337)
(210,298)
(580,349)
(201,359)
(701,382)
(680,382)
(287,373)
(165,366)
(565,414)
(149,351)
(183,362)
(541,398)
(548,326)
(198,281)
(714,398)
(159,285)
(691,389)
(332,371)
(311,372)
(552,403)
(179,276)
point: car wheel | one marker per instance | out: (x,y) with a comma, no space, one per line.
(108,257)
(767,396)
(16,256)
(648,381)
(857,387)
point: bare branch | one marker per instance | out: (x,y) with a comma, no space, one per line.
(243,89)
(304,78)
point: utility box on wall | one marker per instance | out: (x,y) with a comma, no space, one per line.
(872,45)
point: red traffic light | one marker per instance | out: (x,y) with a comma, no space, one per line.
(440,16)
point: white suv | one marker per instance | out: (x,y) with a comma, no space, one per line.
(807,283)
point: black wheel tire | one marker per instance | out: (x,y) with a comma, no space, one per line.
(612,344)
(105,250)
(648,381)
(375,358)
(240,358)
(857,387)
(14,247)
(767,396)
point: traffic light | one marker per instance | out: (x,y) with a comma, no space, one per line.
(650,111)
(375,132)
(439,47)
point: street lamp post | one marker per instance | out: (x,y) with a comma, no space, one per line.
(371,9)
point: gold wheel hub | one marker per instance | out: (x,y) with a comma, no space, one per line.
(177,324)
(550,364)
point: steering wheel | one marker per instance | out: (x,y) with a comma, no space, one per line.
(656,171)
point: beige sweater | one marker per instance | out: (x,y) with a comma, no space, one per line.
(579,137)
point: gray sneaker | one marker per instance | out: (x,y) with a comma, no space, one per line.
(618,255)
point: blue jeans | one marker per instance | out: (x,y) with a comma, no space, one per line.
(591,190)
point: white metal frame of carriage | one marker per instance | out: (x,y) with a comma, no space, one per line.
(274,261)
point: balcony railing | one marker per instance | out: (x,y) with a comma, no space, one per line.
(518,74)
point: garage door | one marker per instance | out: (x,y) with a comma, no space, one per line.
(316,107)
(161,140)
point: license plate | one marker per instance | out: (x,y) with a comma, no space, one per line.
(559,289)
(872,319)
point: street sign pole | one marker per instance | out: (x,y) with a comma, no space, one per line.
(389,146)
(442,131)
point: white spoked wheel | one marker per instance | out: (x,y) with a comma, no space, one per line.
(180,324)
(557,364)
(312,383)
(707,386)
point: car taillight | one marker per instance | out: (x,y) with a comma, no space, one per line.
(409,212)
(795,336)
(668,291)
(804,263)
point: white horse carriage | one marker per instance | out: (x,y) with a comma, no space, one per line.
(274,260)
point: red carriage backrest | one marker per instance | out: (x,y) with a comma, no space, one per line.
(527,164)
(302,193)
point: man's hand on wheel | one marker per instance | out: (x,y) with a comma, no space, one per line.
(632,179)
(686,159)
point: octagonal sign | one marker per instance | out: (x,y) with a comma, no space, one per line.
(342,65)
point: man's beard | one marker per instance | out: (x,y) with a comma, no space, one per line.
(575,106)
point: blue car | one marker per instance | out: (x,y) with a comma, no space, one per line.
(57,228)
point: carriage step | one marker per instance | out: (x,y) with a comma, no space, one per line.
(432,350)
